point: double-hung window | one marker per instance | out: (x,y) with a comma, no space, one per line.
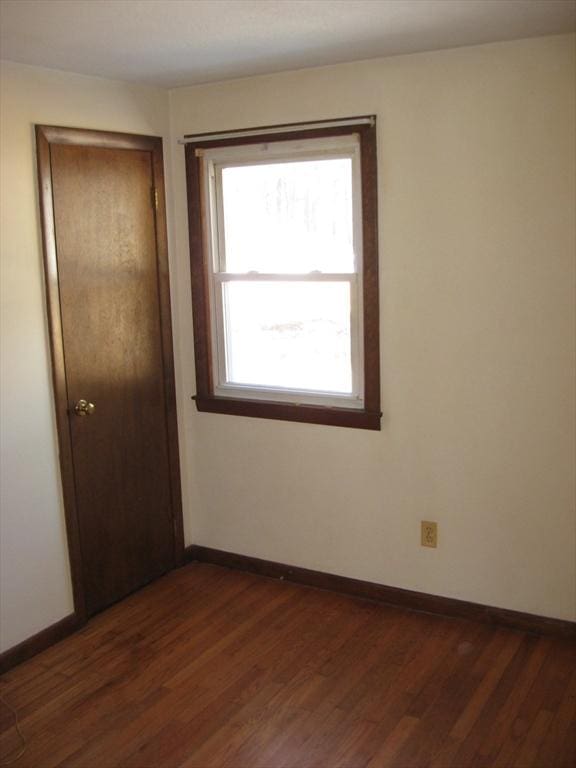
(284,273)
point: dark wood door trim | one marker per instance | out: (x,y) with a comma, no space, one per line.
(45,137)
(58,367)
(167,348)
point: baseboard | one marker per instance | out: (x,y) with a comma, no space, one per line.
(39,642)
(404,598)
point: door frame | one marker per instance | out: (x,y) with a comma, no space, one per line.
(45,137)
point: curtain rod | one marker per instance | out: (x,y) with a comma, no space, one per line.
(289,128)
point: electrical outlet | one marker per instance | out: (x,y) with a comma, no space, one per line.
(429,534)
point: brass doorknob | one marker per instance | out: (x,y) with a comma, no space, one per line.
(84,408)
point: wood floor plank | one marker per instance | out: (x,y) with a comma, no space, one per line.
(491,736)
(559,743)
(473,709)
(511,690)
(394,742)
(447,694)
(212,668)
(540,704)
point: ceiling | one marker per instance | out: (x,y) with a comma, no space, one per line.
(181,42)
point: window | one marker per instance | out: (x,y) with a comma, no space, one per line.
(283,242)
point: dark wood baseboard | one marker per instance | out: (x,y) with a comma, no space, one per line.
(39,642)
(404,598)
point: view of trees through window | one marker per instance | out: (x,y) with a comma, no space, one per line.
(291,219)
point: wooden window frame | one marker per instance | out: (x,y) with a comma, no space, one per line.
(367,417)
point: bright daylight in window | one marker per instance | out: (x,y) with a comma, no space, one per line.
(284,235)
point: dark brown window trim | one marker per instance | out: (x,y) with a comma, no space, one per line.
(311,414)
(369,416)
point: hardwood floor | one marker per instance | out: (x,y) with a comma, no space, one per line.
(213,667)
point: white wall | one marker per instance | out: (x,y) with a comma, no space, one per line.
(477,202)
(34,571)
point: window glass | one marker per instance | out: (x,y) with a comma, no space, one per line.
(288,217)
(289,334)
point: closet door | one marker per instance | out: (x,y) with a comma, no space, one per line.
(107,282)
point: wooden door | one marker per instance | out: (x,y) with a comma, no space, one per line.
(102,201)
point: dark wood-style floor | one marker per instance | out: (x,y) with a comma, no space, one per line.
(212,667)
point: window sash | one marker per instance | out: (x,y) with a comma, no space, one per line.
(213,163)
(224,388)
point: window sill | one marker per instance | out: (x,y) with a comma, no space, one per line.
(310,414)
